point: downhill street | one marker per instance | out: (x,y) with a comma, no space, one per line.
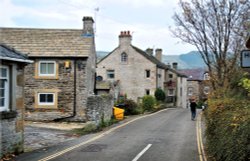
(168,135)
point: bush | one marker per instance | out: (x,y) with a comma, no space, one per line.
(160,95)
(130,107)
(228,126)
(148,102)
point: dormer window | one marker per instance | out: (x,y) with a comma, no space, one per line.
(206,76)
(124,57)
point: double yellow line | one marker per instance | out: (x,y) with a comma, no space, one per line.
(201,151)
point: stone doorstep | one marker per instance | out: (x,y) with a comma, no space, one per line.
(56,125)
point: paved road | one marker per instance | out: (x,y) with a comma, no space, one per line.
(169,135)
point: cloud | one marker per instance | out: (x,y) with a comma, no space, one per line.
(69,13)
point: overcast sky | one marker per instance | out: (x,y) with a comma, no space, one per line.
(148,20)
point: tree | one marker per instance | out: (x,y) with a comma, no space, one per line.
(160,94)
(218,29)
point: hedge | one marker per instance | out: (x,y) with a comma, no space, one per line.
(228,129)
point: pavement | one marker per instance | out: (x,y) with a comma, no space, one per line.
(39,135)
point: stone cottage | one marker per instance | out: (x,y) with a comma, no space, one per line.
(197,83)
(139,72)
(62,77)
(11,100)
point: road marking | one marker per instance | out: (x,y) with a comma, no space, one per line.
(96,137)
(201,150)
(142,152)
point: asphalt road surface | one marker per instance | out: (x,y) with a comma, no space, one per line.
(169,135)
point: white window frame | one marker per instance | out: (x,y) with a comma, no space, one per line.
(206,76)
(6,87)
(190,91)
(46,61)
(171,94)
(48,103)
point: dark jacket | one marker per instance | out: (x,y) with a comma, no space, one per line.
(193,106)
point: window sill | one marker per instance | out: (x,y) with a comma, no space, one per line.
(46,77)
(8,115)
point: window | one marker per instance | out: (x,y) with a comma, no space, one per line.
(124,57)
(206,76)
(190,91)
(147,92)
(47,68)
(147,73)
(110,74)
(206,90)
(46,98)
(181,91)
(171,92)
(4,88)
(170,75)
(99,78)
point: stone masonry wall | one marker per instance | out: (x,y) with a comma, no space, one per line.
(11,122)
(99,107)
(65,87)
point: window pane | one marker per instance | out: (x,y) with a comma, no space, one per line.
(110,73)
(1,92)
(3,72)
(50,98)
(147,73)
(43,68)
(50,68)
(2,83)
(42,98)
(1,102)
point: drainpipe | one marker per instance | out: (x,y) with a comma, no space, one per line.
(74,105)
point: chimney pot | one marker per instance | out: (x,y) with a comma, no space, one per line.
(175,65)
(125,38)
(149,51)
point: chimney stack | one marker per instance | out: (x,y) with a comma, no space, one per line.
(149,51)
(125,38)
(158,54)
(175,65)
(88,29)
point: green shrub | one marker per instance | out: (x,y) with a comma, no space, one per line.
(160,95)
(228,126)
(148,102)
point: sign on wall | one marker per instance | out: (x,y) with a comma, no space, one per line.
(245,58)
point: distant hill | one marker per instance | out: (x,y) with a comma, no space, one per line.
(189,60)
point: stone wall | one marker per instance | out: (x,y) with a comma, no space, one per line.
(63,85)
(11,122)
(99,107)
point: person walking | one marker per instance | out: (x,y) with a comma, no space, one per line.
(193,106)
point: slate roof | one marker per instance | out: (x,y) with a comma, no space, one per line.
(47,42)
(151,58)
(194,74)
(7,53)
(157,62)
